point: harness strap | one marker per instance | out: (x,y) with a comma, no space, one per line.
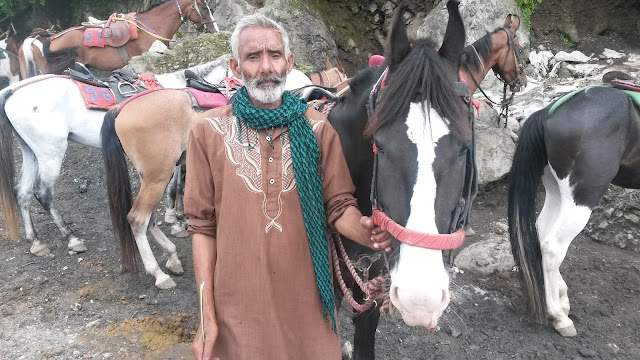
(123,54)
(415,238)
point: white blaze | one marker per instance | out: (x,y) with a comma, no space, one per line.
(419,287)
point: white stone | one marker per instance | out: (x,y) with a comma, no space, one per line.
(574,56)
(486,256)
(612,54)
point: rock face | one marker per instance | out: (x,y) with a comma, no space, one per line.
(310,40)
(494,146)
(479,16)
(616,219)
(186,53)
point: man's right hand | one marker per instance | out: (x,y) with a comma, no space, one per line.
(204,350)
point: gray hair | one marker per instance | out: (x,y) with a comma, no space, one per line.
(261,21)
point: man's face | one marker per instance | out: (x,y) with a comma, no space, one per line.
(263,66)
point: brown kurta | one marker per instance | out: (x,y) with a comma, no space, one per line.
(266,298)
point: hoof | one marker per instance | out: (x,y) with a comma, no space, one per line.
(569,331)
(165,282)
(179,231)
(175,267)
(170,216)
(77,245)
(39,249)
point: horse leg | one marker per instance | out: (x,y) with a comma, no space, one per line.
(150,194)
(170,216)
(179,229)
(546,220)
(168,248)
(365,323)
(555,239)
(24,194)
(48,172)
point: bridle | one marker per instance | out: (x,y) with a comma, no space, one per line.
(196,7)
(456,235)
(499,73)
(377,288)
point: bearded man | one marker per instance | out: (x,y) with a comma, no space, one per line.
(267,182)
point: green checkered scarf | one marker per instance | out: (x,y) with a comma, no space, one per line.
(306,161)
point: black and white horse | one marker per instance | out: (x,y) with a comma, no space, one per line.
(422,134)
(576,147)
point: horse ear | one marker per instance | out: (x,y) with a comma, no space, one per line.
(515,23)
(507,21)
(454,37)
(398,45)
(339,65)
(327,64)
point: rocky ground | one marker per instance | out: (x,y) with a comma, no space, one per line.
(81,306)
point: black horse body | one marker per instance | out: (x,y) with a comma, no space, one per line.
(576,150)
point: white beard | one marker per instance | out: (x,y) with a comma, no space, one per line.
(268,94)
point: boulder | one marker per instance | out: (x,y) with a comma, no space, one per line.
(494,146)
(309,38)
(479,16)
(487,256)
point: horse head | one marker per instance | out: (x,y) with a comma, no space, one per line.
(202,16)
(421,133)
(511,69)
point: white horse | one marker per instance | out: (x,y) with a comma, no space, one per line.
(44,112)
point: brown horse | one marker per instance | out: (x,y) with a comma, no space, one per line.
(152,130)
(331,77)
(62,50)
(498,51)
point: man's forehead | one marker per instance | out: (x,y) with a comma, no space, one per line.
(259,35)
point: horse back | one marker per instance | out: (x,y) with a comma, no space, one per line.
(155,127)
(595,134)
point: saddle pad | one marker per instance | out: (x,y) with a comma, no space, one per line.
(208,100)
(93,37)
(635,97)
(149,81)
(96,97)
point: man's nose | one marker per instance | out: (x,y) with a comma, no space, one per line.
(266,66)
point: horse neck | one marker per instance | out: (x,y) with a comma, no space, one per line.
(499,42)
(165,19)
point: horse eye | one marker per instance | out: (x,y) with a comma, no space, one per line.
(463,151)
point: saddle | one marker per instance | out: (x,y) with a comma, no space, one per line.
(104,94)
(114,32)
(198,82)
(629,85)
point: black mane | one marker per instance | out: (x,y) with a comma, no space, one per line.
(483,46)
(423,73)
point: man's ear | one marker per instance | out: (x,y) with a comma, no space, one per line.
(235,68)
(289,63)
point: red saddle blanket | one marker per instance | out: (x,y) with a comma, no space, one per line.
(96,97)
(208,100)
(115,33)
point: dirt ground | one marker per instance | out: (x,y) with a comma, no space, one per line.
(81,306)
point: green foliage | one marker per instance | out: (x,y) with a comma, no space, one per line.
(527,7)
(12,7)
(566,40)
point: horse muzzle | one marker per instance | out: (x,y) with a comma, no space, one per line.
(420,308)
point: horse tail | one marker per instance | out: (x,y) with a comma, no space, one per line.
(7,169)
(61,60)
(27,51)
(118,187)
(525,177)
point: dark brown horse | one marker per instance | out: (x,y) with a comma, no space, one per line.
(65,48)
(331,77)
